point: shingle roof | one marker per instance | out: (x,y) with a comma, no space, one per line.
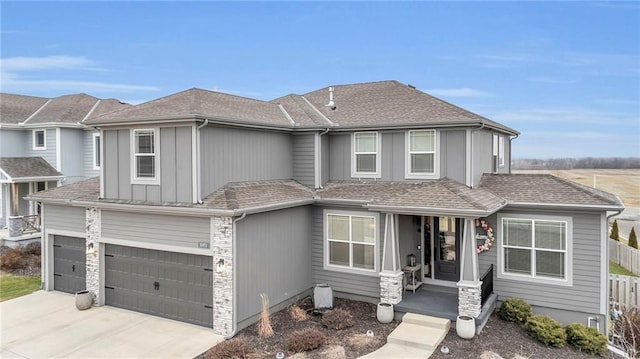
(87,190)
(27,167)
(198,102)
(16,109)
(432,196)
(245,195)
(546,189)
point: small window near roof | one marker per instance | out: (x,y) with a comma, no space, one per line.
(145,156)
(366,156)
(96,151)
(39,140)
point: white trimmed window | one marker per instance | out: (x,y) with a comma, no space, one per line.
(535,248)
(351,242)
(421,160)
(39,139)
(365,162)
(145,156)
(96,151)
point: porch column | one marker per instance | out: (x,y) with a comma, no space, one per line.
(14,218)
(391,274)
(469,286)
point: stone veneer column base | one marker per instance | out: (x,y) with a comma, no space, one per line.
(391,287)
(469,298)
(223,276)
(93,253)
(15,226)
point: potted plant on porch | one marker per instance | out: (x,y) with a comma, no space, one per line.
(465,326)
(385,313)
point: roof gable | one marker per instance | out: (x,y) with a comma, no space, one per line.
(17,108)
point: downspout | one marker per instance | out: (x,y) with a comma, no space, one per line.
(198,164)
(234,327)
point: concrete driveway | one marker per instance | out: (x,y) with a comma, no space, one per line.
(48,325)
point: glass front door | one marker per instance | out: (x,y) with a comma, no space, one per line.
(447,233)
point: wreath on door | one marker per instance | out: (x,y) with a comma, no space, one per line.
(488,237)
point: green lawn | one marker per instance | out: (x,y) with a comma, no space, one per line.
(15,286)
(618,269)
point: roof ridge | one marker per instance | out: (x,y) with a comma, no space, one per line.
(449,184)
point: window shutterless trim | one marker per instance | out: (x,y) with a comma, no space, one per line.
(354,165)
(532,277)
(96,154)
(35,142)
(155,180)
(436,156)
(375,244)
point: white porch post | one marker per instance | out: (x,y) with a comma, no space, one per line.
(391,275)
(469,286)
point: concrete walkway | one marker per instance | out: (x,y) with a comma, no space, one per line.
(48,325)
(416,337)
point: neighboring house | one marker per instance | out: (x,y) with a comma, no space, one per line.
(206,200)
(51,129)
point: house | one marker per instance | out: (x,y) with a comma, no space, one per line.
(43,143)
(206,199)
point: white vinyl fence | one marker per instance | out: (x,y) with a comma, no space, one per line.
(623,290)
(625,256)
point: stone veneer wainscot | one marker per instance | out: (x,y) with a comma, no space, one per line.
(223,279)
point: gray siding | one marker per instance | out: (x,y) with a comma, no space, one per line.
(50,153)
(324,158)
(4,210)
(584,295)
(273,253)
(303,165)
(175,167)
(178,231)
(64,218)
(87,158)
(355,284)
(13,142)
(453,146)
(482,154)
(23,204)
(235,155)
(339,156)
(507,156)
(71,154)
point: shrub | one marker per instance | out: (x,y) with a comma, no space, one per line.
(515,310)
(264,326)
(633,239)
(546,330)
(229,349)
(12,259)
(337,319)
(614,231)
(627,326)
(32,248)
(304,340)
(588,340)
(298,314)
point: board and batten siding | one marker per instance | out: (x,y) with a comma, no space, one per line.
(584,294)
(71,154)
(482,154)
(324,159)
(303,164)
(49,154)
(354,284)
(64,218)
(87,158)
(237,155)
(156,229)
(273,252)
(453,155)
(175,170)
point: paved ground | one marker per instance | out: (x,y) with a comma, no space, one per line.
(48,325)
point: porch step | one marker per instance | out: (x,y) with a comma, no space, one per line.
(416,336)
(427,321)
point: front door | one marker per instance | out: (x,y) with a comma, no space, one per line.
(447,233)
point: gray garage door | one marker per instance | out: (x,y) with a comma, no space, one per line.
(69,264)
(167,284)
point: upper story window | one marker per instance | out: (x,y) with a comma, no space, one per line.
(422,155)
(145,156)
(96,151)
(365,162)
(351,241)
(39,140)
(501,151)
(535,249)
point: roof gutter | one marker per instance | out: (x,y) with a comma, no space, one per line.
(471,213)
(565,206)
(33,179)
(272,207)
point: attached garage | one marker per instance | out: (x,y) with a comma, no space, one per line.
(69,264)
(167,284)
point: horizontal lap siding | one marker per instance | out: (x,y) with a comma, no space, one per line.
(304,166)
(49,154)
(155,229)
(64,218)
(584,294)
(273,255)
(356,284)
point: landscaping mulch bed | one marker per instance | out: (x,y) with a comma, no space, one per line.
(20,261)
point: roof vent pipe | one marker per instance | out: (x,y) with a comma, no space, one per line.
(331,104)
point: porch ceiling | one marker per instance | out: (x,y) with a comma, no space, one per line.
(440,197)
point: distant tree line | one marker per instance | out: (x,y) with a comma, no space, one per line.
(576,163)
